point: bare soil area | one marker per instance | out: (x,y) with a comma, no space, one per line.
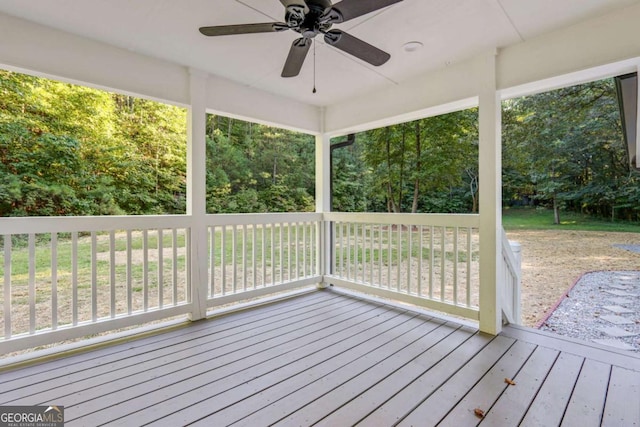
(552,261)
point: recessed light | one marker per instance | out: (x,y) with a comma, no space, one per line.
(412,46)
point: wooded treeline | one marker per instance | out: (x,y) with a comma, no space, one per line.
(71,150)
(562,149)
(565,150)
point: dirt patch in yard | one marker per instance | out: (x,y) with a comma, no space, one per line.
(552,260)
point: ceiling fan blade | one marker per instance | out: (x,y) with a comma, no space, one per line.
(356,47)
(297,54)
(349,9)
(229,30)
(301,3)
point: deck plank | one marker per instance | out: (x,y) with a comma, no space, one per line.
(487,391)
(176,356)
(623,399)
(439,403)
(514,402)
(335,388)
(64,366)
(587,401)
(292,364)
(333,359)
(274,403)
(426,382)
(550,403)
(192,378)
(364,396)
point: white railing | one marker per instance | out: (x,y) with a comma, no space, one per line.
(425,259)
(256,254)
(511,280)
(66,277)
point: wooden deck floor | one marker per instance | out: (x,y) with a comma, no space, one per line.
(325,358)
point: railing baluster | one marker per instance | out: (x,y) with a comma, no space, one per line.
(7,286)
(281,254)
(431,260)
(303,247)
(409,259)
(399,258)
(129,274)
(74,277)
(187,282)
(174,265)
(223,259)
(420,248)
(389,254)
(349,246)
(160,269)
(244,257)
(341,240)
(443,262)
(145,270)
(273,254)
(264,255)
(469,255)
(254,247)
(455,265)
(234,257)
(380,255)
(54,281)
(32,283)
(212,261)
(112,271)
(94,276)
(289,275)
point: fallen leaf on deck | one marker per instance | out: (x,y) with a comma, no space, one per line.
(479,412)
(509,381)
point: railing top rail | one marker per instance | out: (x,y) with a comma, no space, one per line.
(438,220)
(262,218)
(64,224)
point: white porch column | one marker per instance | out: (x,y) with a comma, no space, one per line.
(490,193)
(323,198)
(196,192)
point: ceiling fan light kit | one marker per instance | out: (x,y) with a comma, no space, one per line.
(310,18)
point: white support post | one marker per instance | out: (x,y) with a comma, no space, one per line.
(197,193)
(490,193)
(323,199)
(637,153)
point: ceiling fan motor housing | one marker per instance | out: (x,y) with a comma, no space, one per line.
(313,22)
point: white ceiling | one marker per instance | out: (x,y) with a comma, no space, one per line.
(450,30)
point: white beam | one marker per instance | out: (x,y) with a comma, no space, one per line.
(603,40)
(197,192)
(323,197)
(43,51)
(490,194)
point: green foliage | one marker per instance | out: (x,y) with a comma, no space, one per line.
(565,150)
(72,150)
(257,168)
(542,219)
(428,165)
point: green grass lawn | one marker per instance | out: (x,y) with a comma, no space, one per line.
(542,219)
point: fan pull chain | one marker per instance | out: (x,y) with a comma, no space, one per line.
(314,67)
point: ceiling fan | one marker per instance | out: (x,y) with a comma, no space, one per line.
(310,18)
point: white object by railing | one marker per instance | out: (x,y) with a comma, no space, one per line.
(424,259)
(511,280)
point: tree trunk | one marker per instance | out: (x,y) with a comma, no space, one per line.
(416,182)
(556,211)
